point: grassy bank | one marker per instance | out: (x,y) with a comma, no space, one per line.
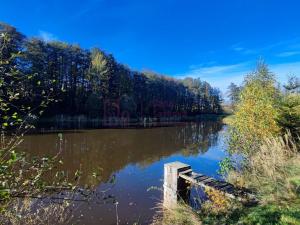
(179,215)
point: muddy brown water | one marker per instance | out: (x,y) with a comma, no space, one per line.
(129,162)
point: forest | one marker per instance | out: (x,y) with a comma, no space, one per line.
(92,83)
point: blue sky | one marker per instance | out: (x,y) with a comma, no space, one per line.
(216,40)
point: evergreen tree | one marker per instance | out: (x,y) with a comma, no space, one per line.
(83,80)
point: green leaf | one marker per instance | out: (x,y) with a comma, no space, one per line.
(13,156)
(15,115)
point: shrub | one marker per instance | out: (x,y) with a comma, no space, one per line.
(256,115)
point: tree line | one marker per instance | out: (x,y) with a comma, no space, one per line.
(92,83)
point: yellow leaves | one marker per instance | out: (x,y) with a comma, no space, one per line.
(256,113)
(219,202)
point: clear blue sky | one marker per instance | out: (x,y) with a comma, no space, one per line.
(216,40)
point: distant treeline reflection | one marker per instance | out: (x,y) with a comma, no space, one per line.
(61,122)
(110,150)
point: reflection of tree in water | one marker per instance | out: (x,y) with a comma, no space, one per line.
(201,136)
(106,151)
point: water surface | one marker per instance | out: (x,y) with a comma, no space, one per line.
(129,162)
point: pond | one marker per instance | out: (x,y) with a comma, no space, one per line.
(129,162)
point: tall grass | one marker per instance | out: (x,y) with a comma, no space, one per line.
(272,170)
(177,215)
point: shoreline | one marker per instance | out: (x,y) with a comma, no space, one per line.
(61,122)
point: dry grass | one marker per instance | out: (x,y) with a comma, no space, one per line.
(271,169)
(181,214)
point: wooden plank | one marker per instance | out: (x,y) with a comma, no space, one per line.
(187,171)
(207,181)
(202,178)
(227,188)
(218,185)
(196,176)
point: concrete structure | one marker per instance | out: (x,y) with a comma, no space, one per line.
(179,176)
(174,185)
